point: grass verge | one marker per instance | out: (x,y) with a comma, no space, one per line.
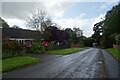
(64,51)
(114,52)
(16,62)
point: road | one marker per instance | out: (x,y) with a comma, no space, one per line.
(90,63)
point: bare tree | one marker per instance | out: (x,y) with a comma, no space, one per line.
(39,20)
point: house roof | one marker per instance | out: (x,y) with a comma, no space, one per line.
(20,33)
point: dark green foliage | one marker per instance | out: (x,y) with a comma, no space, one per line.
(3,23)
(112,19)
(52,33)
(74,36)
(112,38)
(88,42)
(35,48)
(15,26)
(105,43)
(81,44)
(51,46)
(109,27)
(117,38)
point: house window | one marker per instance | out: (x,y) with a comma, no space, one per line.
(21,41)
(18,41)
(31,42)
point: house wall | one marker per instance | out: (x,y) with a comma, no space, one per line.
(27,42)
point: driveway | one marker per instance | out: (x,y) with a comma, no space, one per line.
(90,63)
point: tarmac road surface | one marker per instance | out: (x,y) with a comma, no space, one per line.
(90,63)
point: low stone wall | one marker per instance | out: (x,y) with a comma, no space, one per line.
(116,46)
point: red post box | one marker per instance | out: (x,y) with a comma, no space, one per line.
(46,44)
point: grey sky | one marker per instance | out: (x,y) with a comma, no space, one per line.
(17,10)
(16,13)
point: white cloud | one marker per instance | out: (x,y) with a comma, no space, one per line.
(85,24)
(80,16)
(106,5)
(21,11)
(103,7)
(60,0)
(99,18)
(56,9)
(17,22)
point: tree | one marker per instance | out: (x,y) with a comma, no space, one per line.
(73,36)
(98,29)
(88,42)
(109,27)
(112,38)
(69,33)
(78,32)
(112,19)
(39,20)
(48,34)
(15,26)
(52,33)
(3,23)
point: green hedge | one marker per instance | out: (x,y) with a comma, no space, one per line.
(12,48)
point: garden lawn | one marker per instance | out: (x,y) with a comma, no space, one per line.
(64,51)
(16,62)
(115,52)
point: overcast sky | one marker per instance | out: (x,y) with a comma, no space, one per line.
(66,14)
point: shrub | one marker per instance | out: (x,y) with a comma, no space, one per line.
(105,43)
(88,42)
(117,38)
(112,38)
(51,46)
(11,48)
(35,48)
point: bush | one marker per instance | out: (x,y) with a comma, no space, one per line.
(88,42)
(102,43)
(117,38)
(112,38)
(81,44)
(105,43)
(11,48)
(35,48)
(51,46)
